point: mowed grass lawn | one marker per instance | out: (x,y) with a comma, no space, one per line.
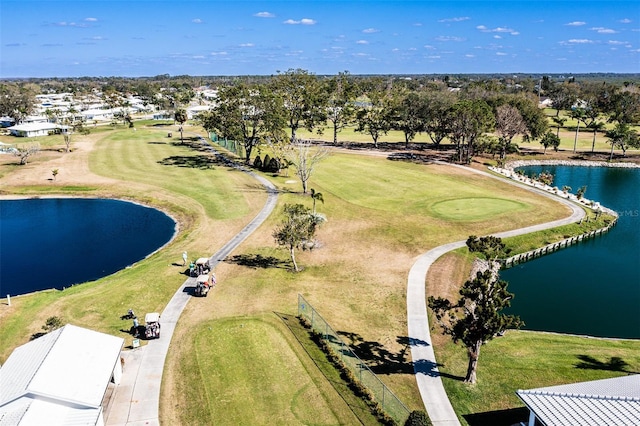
(381,215)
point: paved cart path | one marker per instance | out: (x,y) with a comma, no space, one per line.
(432,391)
(136,400)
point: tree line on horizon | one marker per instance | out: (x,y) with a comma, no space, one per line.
(475,114)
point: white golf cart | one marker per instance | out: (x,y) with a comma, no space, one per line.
(152,325)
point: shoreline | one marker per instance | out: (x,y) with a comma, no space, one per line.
(510,165)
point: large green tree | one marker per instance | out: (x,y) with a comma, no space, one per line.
(297,230)
(251,114)
(16,101)
(468,120)
(303,99)
(407,113)
(437,110)
(341,95)
(622,136)
(476,317)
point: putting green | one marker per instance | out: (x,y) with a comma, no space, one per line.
(475,208)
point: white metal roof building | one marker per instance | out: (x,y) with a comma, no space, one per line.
(60,378)
(614,402)
(30,130)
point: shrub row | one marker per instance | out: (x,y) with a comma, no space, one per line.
(347,375)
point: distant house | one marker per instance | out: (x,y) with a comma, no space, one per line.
(600,402)
(34,119)
(7,122)
(162,115)
(192,112)
(31,130)
(60,378)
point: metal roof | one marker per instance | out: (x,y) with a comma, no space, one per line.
(613,402)
(63,374)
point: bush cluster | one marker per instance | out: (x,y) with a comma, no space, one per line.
(268,164)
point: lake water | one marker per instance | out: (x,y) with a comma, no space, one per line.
(54,243)
(592,288)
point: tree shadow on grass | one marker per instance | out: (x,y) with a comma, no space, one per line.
(512,416)
(195,162)
(256,261)
(615,363)
(383,361)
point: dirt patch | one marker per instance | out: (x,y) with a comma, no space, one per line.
(73,167)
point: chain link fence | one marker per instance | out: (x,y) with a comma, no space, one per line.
(229,145)
(383,395)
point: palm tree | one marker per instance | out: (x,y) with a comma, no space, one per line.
(579,115)
(181,117)
(595,126)
(316,196)
(559,121)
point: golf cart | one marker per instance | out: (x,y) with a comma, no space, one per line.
(201,267)
(152,325)
(203,285)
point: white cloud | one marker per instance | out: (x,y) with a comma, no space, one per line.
(70,24)
(434,57)
(362,42)
(616,42)
(501,54)
(468,55)
(484,29)
(576,24)
(450,38)
(197,21)
(497,36)
(578,41)
(91,19)
(223,53)
(303,21)
(625,21)
(370,31)
(247,45)
(265,15)
(602,30)
(417,24)
(198,57)
(458,19)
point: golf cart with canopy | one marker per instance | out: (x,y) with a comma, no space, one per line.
(152,325)
(200,267)
(203,285)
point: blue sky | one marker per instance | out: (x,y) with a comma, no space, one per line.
(144,38)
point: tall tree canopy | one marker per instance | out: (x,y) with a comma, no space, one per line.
(476,317)
(248,114)
(303,98)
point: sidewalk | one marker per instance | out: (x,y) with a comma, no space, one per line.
(136,400)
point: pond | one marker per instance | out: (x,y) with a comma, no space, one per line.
(57,242)
(592,288)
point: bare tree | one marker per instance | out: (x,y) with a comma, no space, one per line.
(509,123)
(25,151)
(305,160)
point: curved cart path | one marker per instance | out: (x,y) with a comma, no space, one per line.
(136,400)
(432,391)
